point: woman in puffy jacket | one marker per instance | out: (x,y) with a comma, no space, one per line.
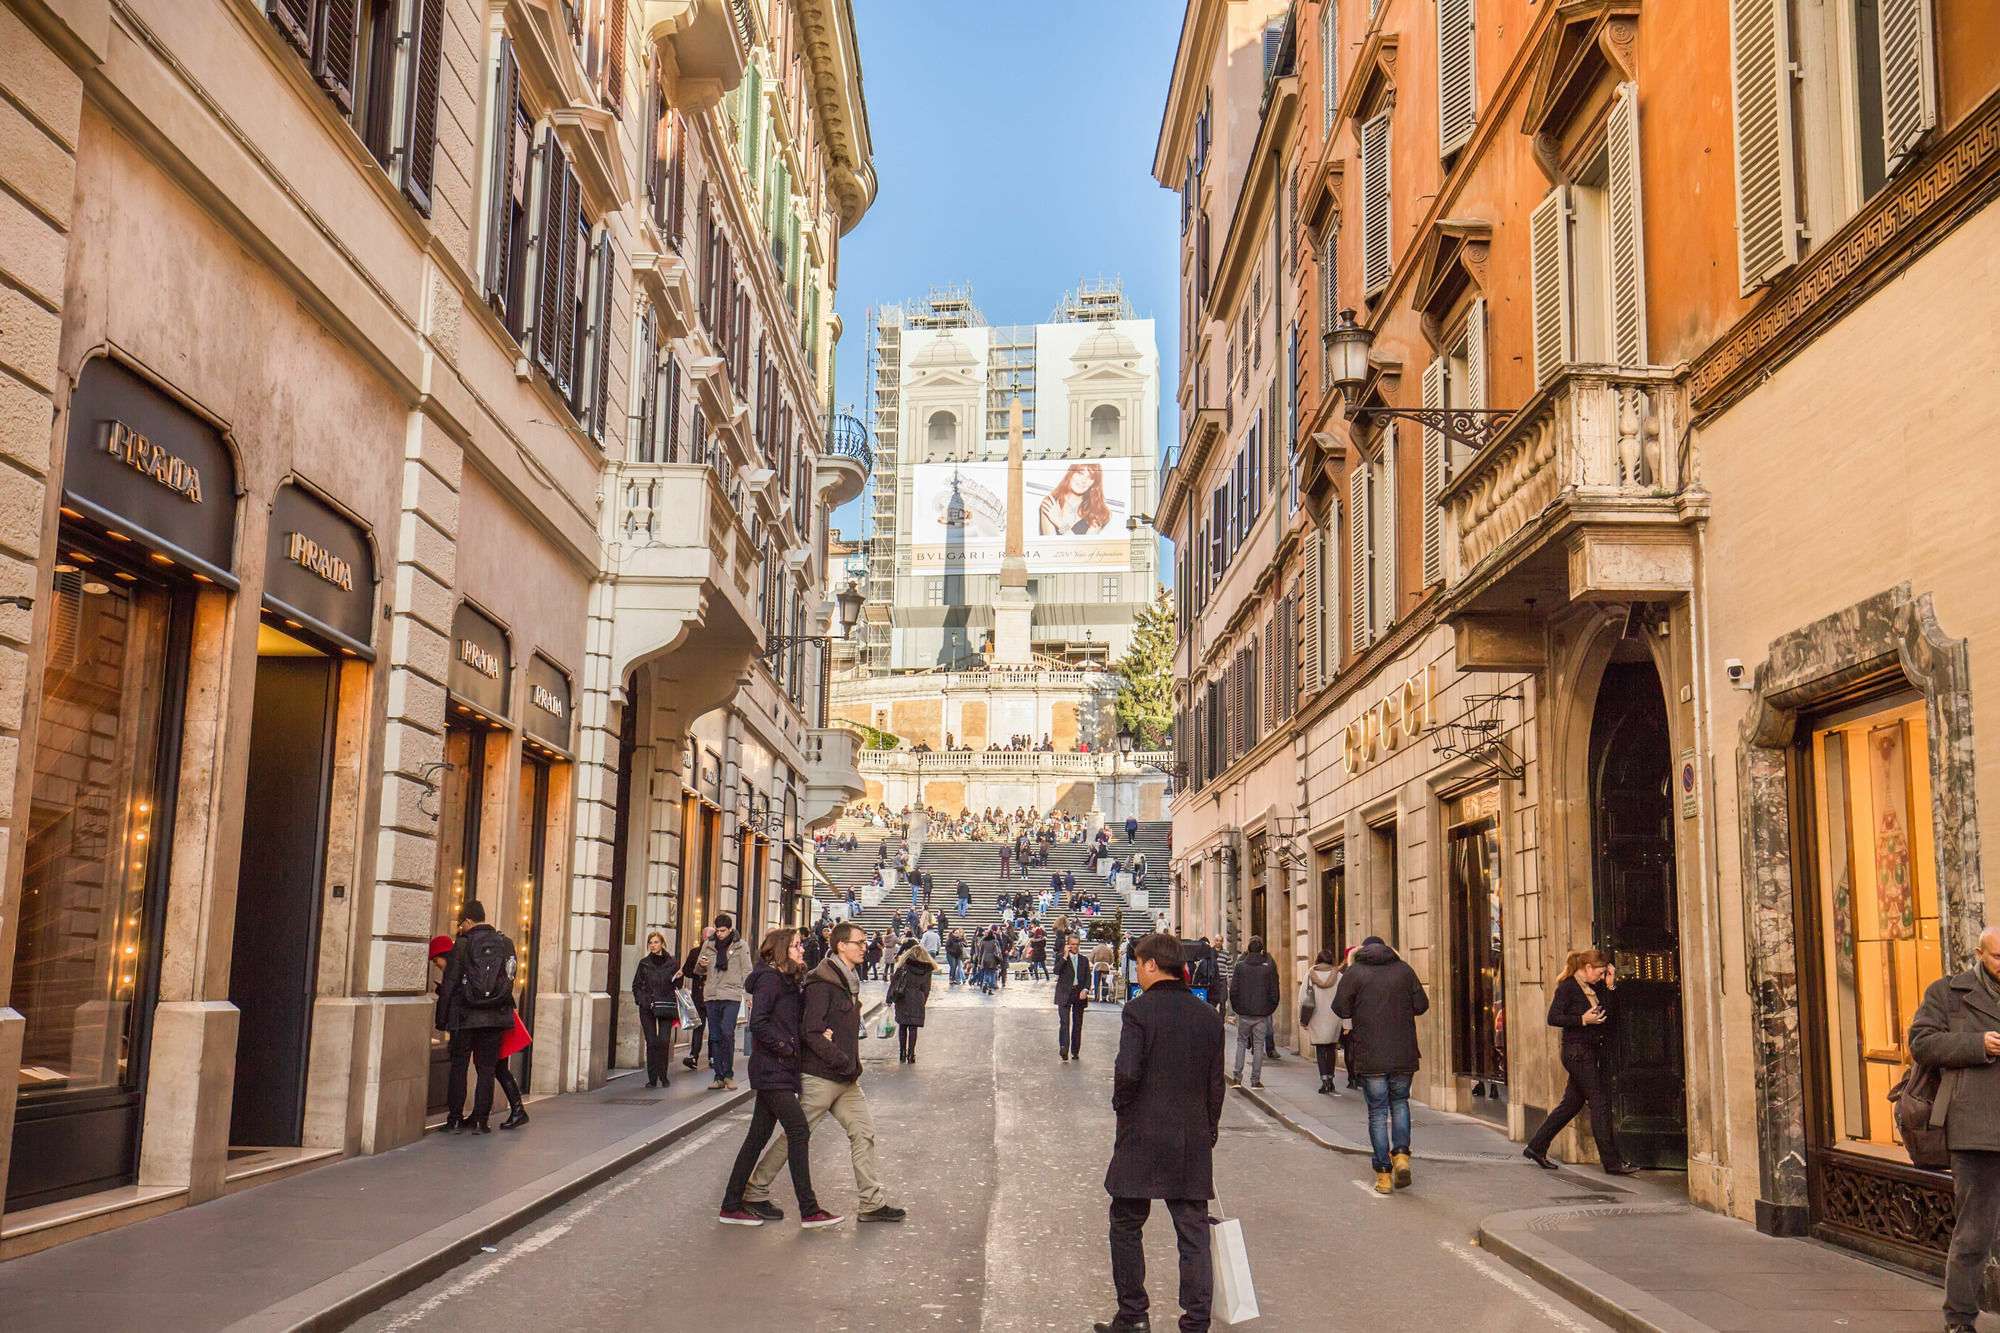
(656,988)
(910,989)
(1324,1028)
(776,992)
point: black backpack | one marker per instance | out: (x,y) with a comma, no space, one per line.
(488,979)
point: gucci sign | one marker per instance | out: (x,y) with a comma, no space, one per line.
(1400,717)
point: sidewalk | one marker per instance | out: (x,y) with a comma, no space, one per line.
(1631,1252)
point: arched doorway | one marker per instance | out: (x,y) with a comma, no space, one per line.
(1636,908)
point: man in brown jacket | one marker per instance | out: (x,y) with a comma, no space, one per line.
(1957,1029)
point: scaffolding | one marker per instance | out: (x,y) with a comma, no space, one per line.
(1010,371)
(1098,302)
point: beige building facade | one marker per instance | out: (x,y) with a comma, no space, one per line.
(351,370)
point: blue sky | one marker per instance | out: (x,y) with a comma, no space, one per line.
(1014,146)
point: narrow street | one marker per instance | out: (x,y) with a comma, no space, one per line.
(998,1152)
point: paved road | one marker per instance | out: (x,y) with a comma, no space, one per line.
(998,1151)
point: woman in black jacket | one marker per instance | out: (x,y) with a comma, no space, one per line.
(656,985)
(775,989)
(910,990)
(692,974)
(1582,1009)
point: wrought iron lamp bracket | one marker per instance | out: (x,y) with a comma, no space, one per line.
(1476,735)
(1473,427)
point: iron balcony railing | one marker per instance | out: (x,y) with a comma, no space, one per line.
(846,437)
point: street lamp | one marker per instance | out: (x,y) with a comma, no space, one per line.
(1347,348)
(848,601)
(1124,740)
(1347,354)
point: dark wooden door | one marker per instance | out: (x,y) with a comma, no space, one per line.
(1637,914)
(276,948)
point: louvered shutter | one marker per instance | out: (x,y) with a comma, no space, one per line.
(1433,476)
(338,46)
(1329,67)
(1628,231)
(1309,657)
(670,400)
(602,328)
(1274,36)
(548,249)
(500,197)
(294,20)
(1475,355)
(1270,665)
(1548,260)
(614,53)
(1382,514)
(1767,221)
(677,185)
(1375,248)
(569,278)
(1457,111)
(1908,49)
(656,154)
(645,446)
(1274,442)
(426,46)
(1358,544)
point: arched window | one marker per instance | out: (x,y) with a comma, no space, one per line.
(1104,427)
(943,431)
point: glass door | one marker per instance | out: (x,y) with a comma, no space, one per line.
(1478,968)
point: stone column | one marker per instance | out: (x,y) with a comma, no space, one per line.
(1013,612)
(588,970)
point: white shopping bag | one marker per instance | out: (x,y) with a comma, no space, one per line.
(1235,1298)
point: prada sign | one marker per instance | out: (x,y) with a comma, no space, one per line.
(481,662)
(141,464)
(548,702)
(319,569)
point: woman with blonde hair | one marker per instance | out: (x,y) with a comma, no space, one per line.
(1581,1008)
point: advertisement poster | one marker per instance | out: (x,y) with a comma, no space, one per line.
(1076,511)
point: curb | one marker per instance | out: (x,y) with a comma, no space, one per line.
(346,1297)
(1353,1149)
(1616,1302)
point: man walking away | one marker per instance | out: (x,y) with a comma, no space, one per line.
(989,961)
(830,1080)
(1131,828)
(1072,998)
(932,942)
(965,893)
(1167,1093)
(476,1006)
(727,962)
(1253,994)
(1381,996)
(1957,1028)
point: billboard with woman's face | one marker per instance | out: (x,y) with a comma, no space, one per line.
(1075,515)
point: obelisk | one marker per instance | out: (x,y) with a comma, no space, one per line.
(1012,611)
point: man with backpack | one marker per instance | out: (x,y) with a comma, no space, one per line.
(1957,1030)
(476,1006)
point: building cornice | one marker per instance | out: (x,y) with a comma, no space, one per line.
(1248,232)
(1200,31)
(834,58)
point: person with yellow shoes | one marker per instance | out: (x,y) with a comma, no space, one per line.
(1381,996)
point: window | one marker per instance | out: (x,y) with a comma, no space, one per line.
(507,222)
(943,432)
(351,49)
(666,176)
(934,592)
(1371,501)
(1456,379)
(1879,940)
(598,28)
(1329,300)
(1329,67)
(1104,428)
(645,445)
(1376,260)
(1457,109)
(1109,587)
(1587,261)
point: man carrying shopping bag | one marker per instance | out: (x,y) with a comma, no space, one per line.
(1167,1091)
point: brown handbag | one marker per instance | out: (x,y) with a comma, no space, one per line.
(1920,1097)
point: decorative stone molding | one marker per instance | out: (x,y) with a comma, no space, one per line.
(1452,262)
(1590,47)
(701,50)
(1372,85)
(1815,664)
(843,115)
(589,136)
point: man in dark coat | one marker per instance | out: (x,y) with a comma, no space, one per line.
(1131,828)
(1072,998)
(1381,996)
(476,1029)
(1957,1029)
(1167,1093)
(1253,994)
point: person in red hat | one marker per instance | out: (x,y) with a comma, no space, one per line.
(465,1039)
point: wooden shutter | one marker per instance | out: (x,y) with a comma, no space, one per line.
(656,154)
(555,263)
(294,21)
(1433,476)
(605,267)
(1382,514)
(1628,231)
(1274,440)
(1310,575)
(337,48)
(677,185)
(500,196)
(1548,267)
(1475,355)
(1908,50)
(426,44)
(1457,111)
(1329,67)
(614,56)
(1358,547)
(1376,262)
(645,446)
(670,401)
(1270,669)
(1767,220)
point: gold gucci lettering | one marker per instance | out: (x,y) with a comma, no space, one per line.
(1400,717)
(175,473)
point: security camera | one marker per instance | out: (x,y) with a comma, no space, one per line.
(1733,668)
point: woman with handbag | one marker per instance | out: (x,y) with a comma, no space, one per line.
(1317,1020)
(775,988)
(1582,1009)
(910,992)
(656,984)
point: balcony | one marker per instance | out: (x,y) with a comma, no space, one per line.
(679,559)
(847,461)
(833,773)
(702,46)
(1590,493)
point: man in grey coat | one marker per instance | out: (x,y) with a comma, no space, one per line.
(1957,1029)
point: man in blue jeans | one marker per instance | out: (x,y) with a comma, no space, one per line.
(724,962)
(1381,996)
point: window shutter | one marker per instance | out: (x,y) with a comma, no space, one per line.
(1274,441)
(656,155)
(1475,355)
(1382,514)
(500,198)
(677,186)
(1270,669)
(1767,222)
(339,43)
(1329,300)
(426,41)
(1628,239)
(1908,50)
(1433,476)
(606,268)
(1309,657)
(1358,545)
(645,446)
(614,53)
(293,20)
(1329,67)
(1457,112)
(1548,262)
(670,399)
(1375,248)
(547,245)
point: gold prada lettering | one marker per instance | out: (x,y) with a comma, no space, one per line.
(547,700)
(479,659)
(310,556)
(138,452)
(1400,717)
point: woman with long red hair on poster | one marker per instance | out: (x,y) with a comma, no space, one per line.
(1076,507)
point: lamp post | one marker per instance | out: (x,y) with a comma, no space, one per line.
(1176,774)
(1347,347)
(849,600)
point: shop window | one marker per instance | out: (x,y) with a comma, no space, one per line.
(1478,967)
(1879,938)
